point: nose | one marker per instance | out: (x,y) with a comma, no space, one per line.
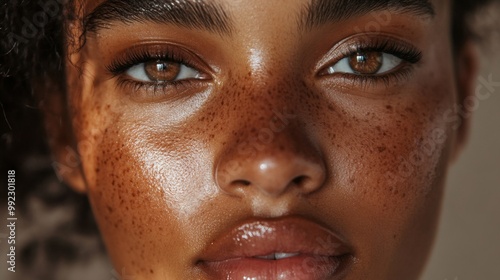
(284,161)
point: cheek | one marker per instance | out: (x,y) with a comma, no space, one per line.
(128,205)
(140,195)
(399,152)
(393,152)
(388,160)
(388,163)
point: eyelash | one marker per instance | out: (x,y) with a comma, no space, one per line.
(409,55)
(406,52)
(120,66)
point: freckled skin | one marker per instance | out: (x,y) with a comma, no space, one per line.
(166,177)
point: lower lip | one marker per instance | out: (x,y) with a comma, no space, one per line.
(300,267)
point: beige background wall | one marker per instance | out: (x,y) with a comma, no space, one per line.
(468,244)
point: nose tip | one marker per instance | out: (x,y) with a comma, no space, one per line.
(271,175)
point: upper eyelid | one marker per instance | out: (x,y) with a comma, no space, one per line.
(157,51)
(389,48)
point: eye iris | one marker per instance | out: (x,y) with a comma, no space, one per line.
(162,71)
(366,63)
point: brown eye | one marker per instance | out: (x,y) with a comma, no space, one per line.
(369,63)
(366,63)
(162,71)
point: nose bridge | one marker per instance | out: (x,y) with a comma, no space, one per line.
(271,136)
(268,119)
(268,151)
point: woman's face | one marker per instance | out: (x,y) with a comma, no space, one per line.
(296,139)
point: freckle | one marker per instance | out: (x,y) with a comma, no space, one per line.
(388,107)
(151,270)
(110,209)
(409,109)
(381,149)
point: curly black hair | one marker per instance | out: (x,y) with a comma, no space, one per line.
(32,53)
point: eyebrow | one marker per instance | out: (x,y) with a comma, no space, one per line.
(185,13)
(320,12)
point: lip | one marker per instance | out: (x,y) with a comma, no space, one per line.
(315,252)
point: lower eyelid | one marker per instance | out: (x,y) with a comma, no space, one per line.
(400,76)
(144,92)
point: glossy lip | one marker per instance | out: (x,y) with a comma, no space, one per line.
(317,252)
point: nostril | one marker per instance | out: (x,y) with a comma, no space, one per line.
(299,180)
(243,183)
(271,174)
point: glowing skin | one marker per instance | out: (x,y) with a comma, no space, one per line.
(262,131)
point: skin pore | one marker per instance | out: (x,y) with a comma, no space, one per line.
(259,118)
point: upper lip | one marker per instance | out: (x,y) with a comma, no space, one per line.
(263,237)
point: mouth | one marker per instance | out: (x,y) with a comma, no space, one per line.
(289,248)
